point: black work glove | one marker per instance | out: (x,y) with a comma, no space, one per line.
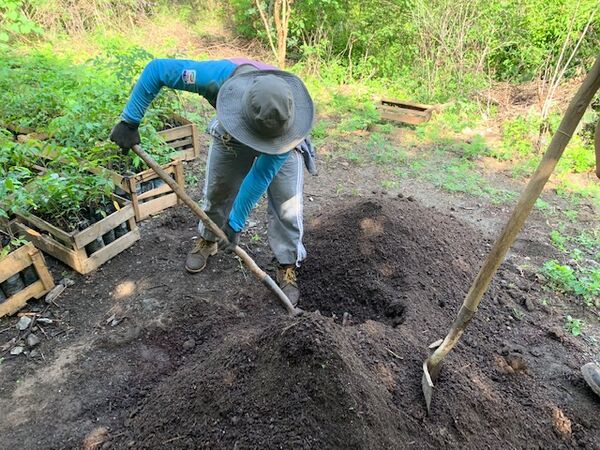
(125,135)
(233,237)
(310,156)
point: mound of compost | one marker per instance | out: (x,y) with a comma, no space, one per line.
(332,380)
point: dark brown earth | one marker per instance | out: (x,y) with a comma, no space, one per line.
(276,382)
(210,361)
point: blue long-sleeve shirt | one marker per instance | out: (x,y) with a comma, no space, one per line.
(204,78)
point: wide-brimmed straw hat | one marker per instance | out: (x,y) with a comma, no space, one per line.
(270,111)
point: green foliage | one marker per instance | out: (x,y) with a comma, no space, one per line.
(475,148)
(558,240)
(66,198)
(14,22)
(573,326)
(77,105)
(518,135)
(578,157)
(583,282)
(441,48)
(11,243)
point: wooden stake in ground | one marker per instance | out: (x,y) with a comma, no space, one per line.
(578,105)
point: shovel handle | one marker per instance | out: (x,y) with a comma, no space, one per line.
(532,191)
(247,260)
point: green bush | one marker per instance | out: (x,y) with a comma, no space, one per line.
(584,282)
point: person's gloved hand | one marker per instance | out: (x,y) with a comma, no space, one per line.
(310,156)
(125,135)
(233,237)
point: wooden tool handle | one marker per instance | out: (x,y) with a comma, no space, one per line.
(246,259)
(561,138)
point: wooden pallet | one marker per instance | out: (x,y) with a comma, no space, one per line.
(17,261)
(404,112)
(69,247)
(185,139)
(153,201)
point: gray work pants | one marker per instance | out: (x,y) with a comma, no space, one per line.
(225,170)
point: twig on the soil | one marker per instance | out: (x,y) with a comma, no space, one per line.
(394,354)
(6,329)
(157,286)
(288,327)
(42,330)
(172,439)
(61,332)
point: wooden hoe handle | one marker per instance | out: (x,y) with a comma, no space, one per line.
(248,261)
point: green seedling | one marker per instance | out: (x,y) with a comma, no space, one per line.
(573,326)
(191,179)
(517,314)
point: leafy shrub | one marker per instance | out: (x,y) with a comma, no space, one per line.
(584,282)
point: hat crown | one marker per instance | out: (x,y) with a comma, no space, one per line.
(269,106)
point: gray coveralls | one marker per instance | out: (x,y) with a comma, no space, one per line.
(228,163)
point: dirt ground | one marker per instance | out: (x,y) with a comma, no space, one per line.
(143,355)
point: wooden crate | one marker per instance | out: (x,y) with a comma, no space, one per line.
(17,261)
(404,112)
(153,201)
(69,247)
(184,138)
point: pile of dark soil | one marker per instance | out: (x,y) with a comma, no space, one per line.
(400,271)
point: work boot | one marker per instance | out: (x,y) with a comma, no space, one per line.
(591,374)
(197,258)
(286,279)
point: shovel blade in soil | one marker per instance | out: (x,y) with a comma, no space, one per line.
(427,386)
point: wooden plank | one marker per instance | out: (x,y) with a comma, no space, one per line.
(110,251)
(396,110)
(181,143)
(150,174)
(405,116)
(156,205)
(162,189)
(195,142)
(41,269)
(67,255)
(45,226)
(134,198)
(17,301)
(402,103)
(24,257)
(179,177)
(103,226)
(15,261)
(172,134)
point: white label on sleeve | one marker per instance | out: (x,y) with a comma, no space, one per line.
(189,76)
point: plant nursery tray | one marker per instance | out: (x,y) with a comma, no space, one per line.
(149,195)
(404,112)
(75,248)
(184,138)
(15,263)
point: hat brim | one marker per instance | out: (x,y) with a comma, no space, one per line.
(231,116)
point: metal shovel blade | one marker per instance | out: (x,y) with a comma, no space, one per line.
(427,379)
(427,386)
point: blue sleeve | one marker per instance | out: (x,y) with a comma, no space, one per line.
(253,187)
(204,78)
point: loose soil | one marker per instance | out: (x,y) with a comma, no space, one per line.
(162,359)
